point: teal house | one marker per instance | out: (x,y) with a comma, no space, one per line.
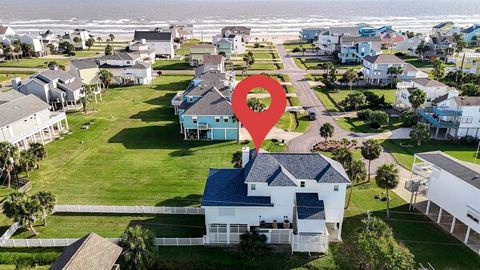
(225,46)
(471,35)
(354,49)
(204,109)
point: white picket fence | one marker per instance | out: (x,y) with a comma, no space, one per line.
(129,209)
(9,232)
(63,242)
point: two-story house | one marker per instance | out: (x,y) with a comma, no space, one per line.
(57,87)
(127,68)
(142,49)
(292,198)
(446,28)
(436,91)
(310,35)
(182,31)
(329,40)
(230,45)
(456,116)
(354,49)
(82,35)
(38,48)
(204,108)
(159,40)
(471,34)
(237,30)
(198,51)
(375,69)
(211,63)
(26,119)
(6,31)
(86,69)
(452,189)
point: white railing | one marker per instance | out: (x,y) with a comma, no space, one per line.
(310,243)
(54,118)
(129,209)
(63,242)
(10,231)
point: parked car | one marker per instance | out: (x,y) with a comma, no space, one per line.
(312,115)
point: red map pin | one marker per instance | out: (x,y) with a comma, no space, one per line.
(259,124)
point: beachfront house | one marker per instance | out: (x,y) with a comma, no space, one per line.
(86,69)
(375,69)
(211,63)
(294,199)
(27,119)
(354,49)
(230,45)
(127,68)
(89,252)
(198,51)
(55,86)
(204,108)
(141,48)
(6,31)
(310,35)
(471,35)
(410,45)
(36,42)
(435,91)
(455,116)
(182,31)
(49,38)
(82,35)
(237,30)
(452,188)
(446,28)
(329,40)
(159,40)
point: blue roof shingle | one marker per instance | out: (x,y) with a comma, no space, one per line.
(309,206)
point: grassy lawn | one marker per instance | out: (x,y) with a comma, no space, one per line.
(111,226)
(331,99)
(8,76)
(313,63)
(419,63)
(357,125)
(87,53)
(404,155)
(326,100)
(185,48)
(171,65)
(32,62)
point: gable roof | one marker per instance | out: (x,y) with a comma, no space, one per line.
(342,30)
(309,206)
(443,24)
(471,29)
(453,166)
(54,74)
(84,63)
(212,102)
(360,39)
(426,82)
(120,56)
(384,59)
(3,30)
(152,35)
(89,252)
(211,59)
(19,107)
(282,169)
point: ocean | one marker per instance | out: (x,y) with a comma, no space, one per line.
(265,17)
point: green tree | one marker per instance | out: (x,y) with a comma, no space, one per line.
(471,90)
(327,130)
(77,40)
(108,49)
(89,43)
(393,73)
(422,48)
(460,43)
(8,155)
(355,100)
(38,150)
(420,133)
(47,203)
(417,97)
(27,49)
(387,178)
(350,76)
(438,70)
(256,105)
(105,77)
(22,209)
(343,156)
(237,159)
(112,37)
(87,96)
(253,245)
(99,39)
(139,249)
(52,64)
(357,172)
(295,50)
(376,119)
(408,118)
(27,160)
(370,150)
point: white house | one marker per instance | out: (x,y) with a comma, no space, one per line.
(127,68)
(435,90)
(458,116)
(6,31)
(211,63)
(49,38)
(329,41)
(198,51)
(57,87)
(38,48)
(83,36)
(182,31)
(452,188)
(411,44)
(26,119)
(159,40)
(375,69)
(237,30)
(143,50)
(292,198)
(237,43)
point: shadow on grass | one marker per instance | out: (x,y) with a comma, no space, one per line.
(185,201)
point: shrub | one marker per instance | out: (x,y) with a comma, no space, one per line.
(408,118)
(364,114)
(400,54)
(376,119)
(295,50)
(256,45)
(469,140)
(373,100)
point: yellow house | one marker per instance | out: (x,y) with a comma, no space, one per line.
(86,69)
(198,51)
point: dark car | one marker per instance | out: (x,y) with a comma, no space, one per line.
(312,115)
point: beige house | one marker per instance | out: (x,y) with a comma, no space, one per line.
(26,119)
(198,51)
(86,69)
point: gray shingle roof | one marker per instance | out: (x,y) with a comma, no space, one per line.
(210,103)
(152,35)
(309,206)
(452,166)
(84,63)
(90,252)
(440,99)
(212,59)
(360,39)
(266,167)
(9,96)
(384,59)
(20,108)
(119,56)
(471,28)
(56,74)
(428,82)
(342,30)
(225,187)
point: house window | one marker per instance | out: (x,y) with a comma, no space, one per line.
(302,183)
(253,187)
(473,217)
(194,119)
(190,98)
(335,188)
(467,120)
(225,119)
(217,119)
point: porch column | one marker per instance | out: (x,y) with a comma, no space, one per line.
(428,207)
(66,124)
(339,235)
(225,133)
(198,134)
(42,138)
(59,127)
(228,233)
(439,215)
(453,225)
(25,144)
(436,132)
(50,132)
(34,138)
(467,235)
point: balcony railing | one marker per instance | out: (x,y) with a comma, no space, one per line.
(55,117)
(178,98)
(446,111)
(202,125)
(435,121)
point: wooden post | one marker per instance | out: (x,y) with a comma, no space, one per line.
(467,235)
(453,225)
(439,215)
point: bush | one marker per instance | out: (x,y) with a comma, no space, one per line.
(295,50)
(256,45)
(400,54)
(408,118)
(28,257)
(469,140)
(373,100)
(364,114)
(376,119)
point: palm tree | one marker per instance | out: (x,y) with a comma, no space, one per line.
(343,155)
(39,151)
(47,202)
(105,77)
(27,49)
(371,149)
(138,248)
(327,130)
(350,75)
(256,105)
(387,178)
(112,37)
(22,209)
(27,160)
(77,40)
(356,172)
(237,159)
(393,72)
(99,39)
(8,155)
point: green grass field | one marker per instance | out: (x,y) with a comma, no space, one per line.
(32,62)
(171,65)
(331,99)
(313,63)
(185,48)
(357,125)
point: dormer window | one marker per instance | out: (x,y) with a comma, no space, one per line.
(225,119)
(253,187)
(190,98)
(302,183)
